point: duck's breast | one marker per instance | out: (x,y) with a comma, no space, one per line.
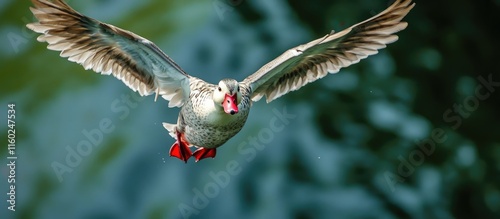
(206,125)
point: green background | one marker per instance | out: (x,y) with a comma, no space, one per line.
(355,149)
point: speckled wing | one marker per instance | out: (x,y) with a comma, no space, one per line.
(309,62)
(107,49)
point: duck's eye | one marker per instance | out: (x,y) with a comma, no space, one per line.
(220,89)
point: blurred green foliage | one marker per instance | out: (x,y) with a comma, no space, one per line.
(357,148)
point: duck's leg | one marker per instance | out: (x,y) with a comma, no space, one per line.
(202,153)
(180,148)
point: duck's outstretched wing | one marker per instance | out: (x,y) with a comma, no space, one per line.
(107,49)
(314,60)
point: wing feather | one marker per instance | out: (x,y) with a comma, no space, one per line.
(314,60)
(107,49)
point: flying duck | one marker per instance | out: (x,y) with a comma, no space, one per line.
(210,114)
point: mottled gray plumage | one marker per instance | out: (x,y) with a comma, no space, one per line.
(210,114)
(196,122)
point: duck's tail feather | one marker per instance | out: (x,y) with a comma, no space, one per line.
(170,128)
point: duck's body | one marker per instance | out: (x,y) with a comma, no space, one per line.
(202,123)
(210,114)
(205,125)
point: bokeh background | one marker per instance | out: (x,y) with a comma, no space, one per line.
(352,151)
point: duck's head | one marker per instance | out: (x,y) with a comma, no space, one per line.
(227,95)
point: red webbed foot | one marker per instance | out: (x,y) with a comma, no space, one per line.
(180,148)
(203,153)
